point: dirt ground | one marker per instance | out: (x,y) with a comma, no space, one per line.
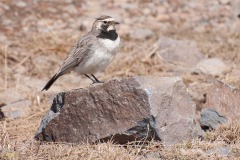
(36,36)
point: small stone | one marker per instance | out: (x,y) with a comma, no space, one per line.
(9,96)
(212,66)
(16,110)
(146,11)
(153,156)
(4,6)
(52,10)
(221,151)
(31,83)
(21,4)
(128,6)
(181,52)
(235,8)
(225,2)
(42,62)
(225,99)
(71,9)
(141,33)
(163,17)
(7,22)
(211,119)
(186,152)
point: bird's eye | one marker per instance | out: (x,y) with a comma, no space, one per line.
(105,22)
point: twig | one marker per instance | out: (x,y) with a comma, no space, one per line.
(5,67)
(151,52)
(22,61)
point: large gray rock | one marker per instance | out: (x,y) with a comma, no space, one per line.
(123,110)
(225,99)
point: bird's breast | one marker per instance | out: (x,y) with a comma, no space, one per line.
(98,61)
(110,45)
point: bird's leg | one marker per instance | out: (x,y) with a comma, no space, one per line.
(96,80)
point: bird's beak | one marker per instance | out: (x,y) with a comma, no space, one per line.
(116,23)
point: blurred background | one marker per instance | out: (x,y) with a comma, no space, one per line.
(197,40)
(36,36)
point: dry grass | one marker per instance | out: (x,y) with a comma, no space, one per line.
(18,57)
(227,135)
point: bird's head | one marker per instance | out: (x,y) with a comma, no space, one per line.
(105,24)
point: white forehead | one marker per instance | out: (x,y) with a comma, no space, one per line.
(109,19)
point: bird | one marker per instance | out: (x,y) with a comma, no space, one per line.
(93,52)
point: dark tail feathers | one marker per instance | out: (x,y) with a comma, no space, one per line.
(50,82)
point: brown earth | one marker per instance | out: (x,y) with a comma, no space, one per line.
(36,36)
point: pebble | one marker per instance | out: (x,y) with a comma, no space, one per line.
(21,4)
(141,33)
(212,66)
(18,109)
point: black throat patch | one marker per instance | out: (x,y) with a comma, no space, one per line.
(112,35)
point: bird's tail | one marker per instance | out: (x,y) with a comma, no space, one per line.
(50,82)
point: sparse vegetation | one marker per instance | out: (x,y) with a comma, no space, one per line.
(19,54)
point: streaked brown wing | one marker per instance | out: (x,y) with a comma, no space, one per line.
(77,54)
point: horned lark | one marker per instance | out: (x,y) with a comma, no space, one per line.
(93,52)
